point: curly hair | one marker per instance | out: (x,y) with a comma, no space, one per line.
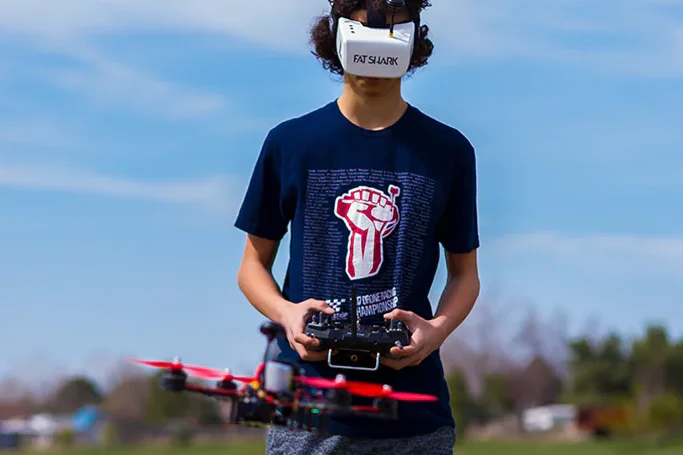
(323,37)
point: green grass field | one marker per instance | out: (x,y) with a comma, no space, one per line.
(500,448)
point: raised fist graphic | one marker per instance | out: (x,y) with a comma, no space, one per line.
(370,215)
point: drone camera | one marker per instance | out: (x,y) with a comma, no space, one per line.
(277,376)
(387,407)
(226,385)
(339,397)
(252,410)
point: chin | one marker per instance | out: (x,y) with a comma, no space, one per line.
(374,85)
(372,80)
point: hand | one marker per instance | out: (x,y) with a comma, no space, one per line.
(426,338)
(294,320)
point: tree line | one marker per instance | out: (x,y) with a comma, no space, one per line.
(642,376)
(133,398)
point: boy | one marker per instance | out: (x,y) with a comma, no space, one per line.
(371,188)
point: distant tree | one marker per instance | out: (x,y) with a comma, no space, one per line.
(665,414)
(163,405)
(543,337)
(497,399)
(536,385)
(16,399)
(651,354)
(674,369)
(206,411)
(12,388)
(462,404)
(128,399)
(501,338)
(73,394)
(601,373)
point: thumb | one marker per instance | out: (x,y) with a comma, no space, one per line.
(319,305)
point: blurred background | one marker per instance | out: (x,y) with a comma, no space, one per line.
(128,132)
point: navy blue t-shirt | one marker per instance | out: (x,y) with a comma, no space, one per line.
(369,209)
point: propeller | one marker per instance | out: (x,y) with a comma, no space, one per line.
(340,382)
(193,370)
(364,389)
(409,396)
(226,375)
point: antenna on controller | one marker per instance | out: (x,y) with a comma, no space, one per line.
(354,311)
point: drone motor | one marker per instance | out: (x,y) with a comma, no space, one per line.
(174,380)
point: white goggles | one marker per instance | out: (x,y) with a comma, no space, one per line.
(382,52)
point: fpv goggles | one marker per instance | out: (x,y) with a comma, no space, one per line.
(378,48)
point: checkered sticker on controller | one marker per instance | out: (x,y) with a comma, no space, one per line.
(336,304)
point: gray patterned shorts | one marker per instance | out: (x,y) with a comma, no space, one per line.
(282,441)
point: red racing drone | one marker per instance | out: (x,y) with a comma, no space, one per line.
(279,394)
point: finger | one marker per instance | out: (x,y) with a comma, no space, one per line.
(393,363)
(398,360)
(319,305)
(310,356)
(314,356)
(401,315)
(303,353)
(305,340)
(406,351)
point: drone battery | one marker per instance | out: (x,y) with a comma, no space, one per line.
(277,377)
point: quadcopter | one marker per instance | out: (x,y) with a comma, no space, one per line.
(280,394)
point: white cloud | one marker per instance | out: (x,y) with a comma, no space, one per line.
(216,194)
(619,35)
(269,22)
(621,254)
(616,35)
(34,132)
(106,81)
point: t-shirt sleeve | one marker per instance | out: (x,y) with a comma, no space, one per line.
(459,226)
(261,213)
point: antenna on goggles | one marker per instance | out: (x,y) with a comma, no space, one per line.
(394,4)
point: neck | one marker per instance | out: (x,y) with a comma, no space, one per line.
(372,112)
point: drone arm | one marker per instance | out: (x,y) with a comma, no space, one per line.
(210,392)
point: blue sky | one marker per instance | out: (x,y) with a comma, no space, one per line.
(128,131)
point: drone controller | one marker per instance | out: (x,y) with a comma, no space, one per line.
(354,340)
